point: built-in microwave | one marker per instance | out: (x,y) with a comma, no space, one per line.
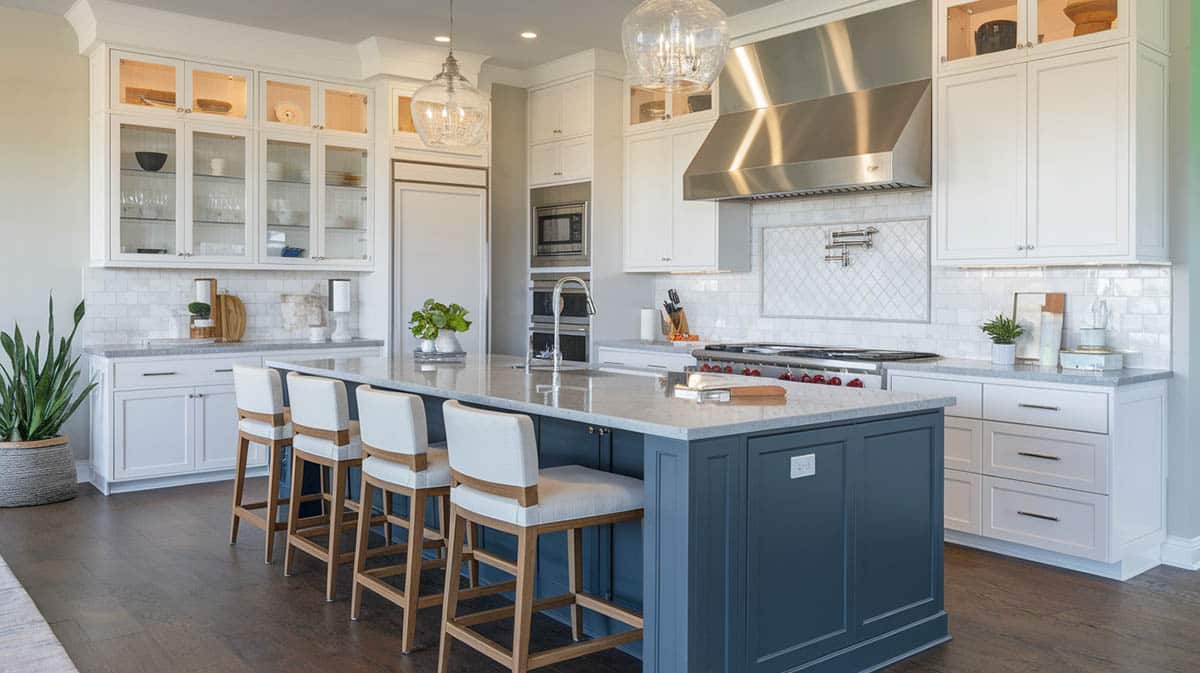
(559,235)
(573,301)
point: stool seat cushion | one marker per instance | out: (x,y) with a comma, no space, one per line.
(435,475)
(564,493)
(326,448)
(264,429)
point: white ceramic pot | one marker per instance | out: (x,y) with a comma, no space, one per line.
(204,322)
(447,342)
(428,346)
(1004,354)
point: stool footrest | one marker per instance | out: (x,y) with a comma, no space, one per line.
(492,560)
(507,611)
(582,648)
(609,609)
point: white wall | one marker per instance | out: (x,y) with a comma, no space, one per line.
(509,197)
(43,176)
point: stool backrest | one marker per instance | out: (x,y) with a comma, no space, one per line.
(492,451)
(320,407)
(259,394)
(392,426)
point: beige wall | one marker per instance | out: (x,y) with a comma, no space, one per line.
(43,176)
(510,307)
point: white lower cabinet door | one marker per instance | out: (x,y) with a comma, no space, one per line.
(1046,517)
(962,501)
(216,429)
(152,433)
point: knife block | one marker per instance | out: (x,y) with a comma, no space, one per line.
(676,325)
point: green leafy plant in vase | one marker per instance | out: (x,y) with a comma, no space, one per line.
(1004,332)
(437,326)
(38,394)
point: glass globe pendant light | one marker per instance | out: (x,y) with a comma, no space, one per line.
(675,45)
(449,111)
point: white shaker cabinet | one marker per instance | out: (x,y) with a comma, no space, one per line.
(565,161)
(154,430)
(560,111)
(215,436)
(647,202)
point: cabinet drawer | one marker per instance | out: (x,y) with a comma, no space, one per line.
(963,509)
(1055,519)
(1046,456)
(964,444)
(179,372)
(970,395)
(676,362)
(1067,409)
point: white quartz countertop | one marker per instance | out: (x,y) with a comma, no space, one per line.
(1031,372)
(143,350)
(675,347)
(635,403)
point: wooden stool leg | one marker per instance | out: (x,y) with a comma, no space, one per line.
(523,619)
(473,565)
(387,511)
(271,513)
(324,491)
(444,524)
(289,551)
(412,568)
(454,554)
(337,508)
(361,543)
(239,486)
(575,578)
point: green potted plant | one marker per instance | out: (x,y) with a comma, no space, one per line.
(437,325)
(37,396)
(1003,332)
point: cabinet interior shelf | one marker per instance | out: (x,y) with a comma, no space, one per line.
(164,220)
(288,182)
(218,223)
(138,171)
(223,178)
(355,188)
(288,226)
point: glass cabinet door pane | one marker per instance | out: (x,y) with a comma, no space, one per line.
(346,204)
(646,105)
(288,103)
(146,84)
(690,103)
(1064,19)
(288,199)
(404,120)
(345,111)
(980,27)
(147,185)
(218,195)
(219,93)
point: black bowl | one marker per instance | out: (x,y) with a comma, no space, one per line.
(993,36)
(150,161)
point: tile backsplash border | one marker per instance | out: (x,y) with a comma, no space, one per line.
(727,306)
(128,306)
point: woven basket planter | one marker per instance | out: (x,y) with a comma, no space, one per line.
(37,473)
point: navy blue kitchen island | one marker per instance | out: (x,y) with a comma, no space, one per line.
(805,536)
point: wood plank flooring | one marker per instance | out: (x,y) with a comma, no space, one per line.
(147,582)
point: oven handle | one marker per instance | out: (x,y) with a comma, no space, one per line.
(564,328)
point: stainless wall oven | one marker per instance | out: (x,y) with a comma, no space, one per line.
(560,230)
(575,341)
(574,301)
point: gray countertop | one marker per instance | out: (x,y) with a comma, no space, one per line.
(635,403)
(1033,372)
(679,348)
(142,350)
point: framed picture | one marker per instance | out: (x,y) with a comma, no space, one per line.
(1027,311)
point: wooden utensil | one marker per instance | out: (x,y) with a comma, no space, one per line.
(233,317)
(745,392)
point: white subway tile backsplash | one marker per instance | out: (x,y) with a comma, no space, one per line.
(727,307)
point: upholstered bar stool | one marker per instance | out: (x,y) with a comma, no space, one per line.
(400,461)
(262,419)
(495,482)
(324,435)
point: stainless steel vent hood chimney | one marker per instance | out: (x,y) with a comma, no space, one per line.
(846,106)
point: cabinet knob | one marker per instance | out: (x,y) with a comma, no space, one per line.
(188,110)
(1020,46)
(179,109)
(1029,44)
(1020,247)
(943,59)
(666,116)
(1029,247)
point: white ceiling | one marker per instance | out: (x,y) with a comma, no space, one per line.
(483,26)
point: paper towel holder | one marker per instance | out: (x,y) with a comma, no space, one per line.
(339,306)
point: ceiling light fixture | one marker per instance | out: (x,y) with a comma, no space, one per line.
(675,45)
(449,111)
(441,38)
(529,35)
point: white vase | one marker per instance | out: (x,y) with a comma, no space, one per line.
(447,342)
(1004,354)
(428,345)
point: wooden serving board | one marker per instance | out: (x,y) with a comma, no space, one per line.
(233,317)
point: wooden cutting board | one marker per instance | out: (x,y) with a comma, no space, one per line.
(233,317)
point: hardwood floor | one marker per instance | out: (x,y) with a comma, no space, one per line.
(147,582)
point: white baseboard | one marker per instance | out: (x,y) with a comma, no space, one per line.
(1129,567)
(1182,552)
(83,471)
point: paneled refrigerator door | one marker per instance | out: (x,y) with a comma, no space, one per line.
(146,194)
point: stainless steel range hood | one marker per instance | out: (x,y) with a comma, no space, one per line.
(846,106)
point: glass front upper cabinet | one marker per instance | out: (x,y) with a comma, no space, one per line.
(402,113)
(1058,20)
(289,103)
(344,110)
(147,82)
(219,93)
(981,28)
(288,200)
(649,105)
(146,191)
(220,196)
(346,203)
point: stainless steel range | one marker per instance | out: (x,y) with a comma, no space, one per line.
(850,367)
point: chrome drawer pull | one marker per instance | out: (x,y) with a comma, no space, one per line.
(1032,515)
(159,373)
(224,371)
(652,366)
(1037,455)
(1040,407)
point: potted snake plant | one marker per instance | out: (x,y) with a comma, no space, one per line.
(37,395)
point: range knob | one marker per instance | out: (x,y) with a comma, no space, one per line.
(835,380)
(746,371)
(705,368)
(856,383)
(728,369)
(786,376)
(819,378)
(805,378)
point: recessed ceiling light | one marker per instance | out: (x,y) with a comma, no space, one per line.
(441,38)
(529,35)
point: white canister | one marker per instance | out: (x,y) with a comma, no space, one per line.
(1093,338)
(651,319)
(316,334)
(217,166)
